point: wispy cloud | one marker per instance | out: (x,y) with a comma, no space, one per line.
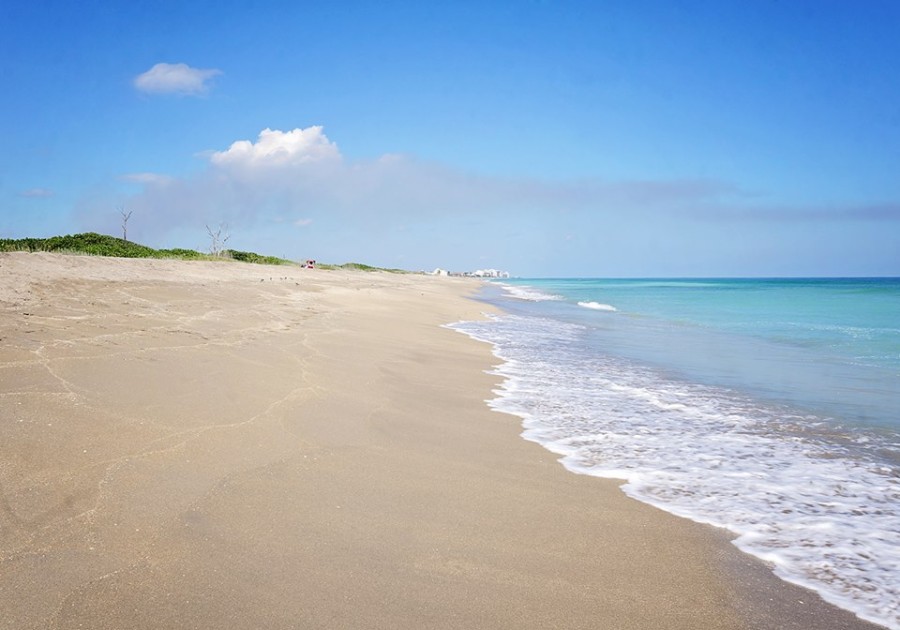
(800,214)
(36,193)
(177,78)
(300,176)
(295,190)
(881,212)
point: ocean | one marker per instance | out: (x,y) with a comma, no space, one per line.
(769,407)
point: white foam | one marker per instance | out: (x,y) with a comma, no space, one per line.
(815,504)
(528,293)
(597,306)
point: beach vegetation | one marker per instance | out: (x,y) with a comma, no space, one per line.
(358,266)
(253,257)
(182,254)
(363,267)
(87,243)
(94,244)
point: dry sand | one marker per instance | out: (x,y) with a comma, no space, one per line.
(222,445)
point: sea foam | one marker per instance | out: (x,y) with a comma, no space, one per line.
(597,306)
(528,293)
(797,492)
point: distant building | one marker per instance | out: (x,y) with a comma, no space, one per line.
(489,273)
(478,273)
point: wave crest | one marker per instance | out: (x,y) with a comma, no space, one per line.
(597,306)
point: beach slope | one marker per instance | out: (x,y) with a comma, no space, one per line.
(224,445)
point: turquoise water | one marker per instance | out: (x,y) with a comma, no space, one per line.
(831,346)
(855,319)
(767,407)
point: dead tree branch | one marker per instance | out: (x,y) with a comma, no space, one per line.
(125,217)
(217,239)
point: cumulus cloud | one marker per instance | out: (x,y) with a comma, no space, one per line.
(36,193)
(275,148)
(175,78)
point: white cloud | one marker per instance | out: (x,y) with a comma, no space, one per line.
(293,192)
(278,148)
(175,78)
(299,178)
(36,193)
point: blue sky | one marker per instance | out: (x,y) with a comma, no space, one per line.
(547,138)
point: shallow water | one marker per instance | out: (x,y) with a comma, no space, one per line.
(769,408)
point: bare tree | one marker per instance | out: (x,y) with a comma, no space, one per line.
(125,217)
(217,239)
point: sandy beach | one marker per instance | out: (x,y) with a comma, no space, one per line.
(226,445)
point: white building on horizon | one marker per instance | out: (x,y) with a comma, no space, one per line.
(490,273)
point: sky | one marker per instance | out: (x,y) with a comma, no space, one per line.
(569,139)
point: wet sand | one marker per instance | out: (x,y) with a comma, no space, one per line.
(224,445)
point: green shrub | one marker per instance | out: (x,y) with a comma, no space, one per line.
(364,267)
(184,254)
(252,257)
(103,245)
(358,266)
(98,245)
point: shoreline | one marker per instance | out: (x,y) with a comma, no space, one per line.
(195,444)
